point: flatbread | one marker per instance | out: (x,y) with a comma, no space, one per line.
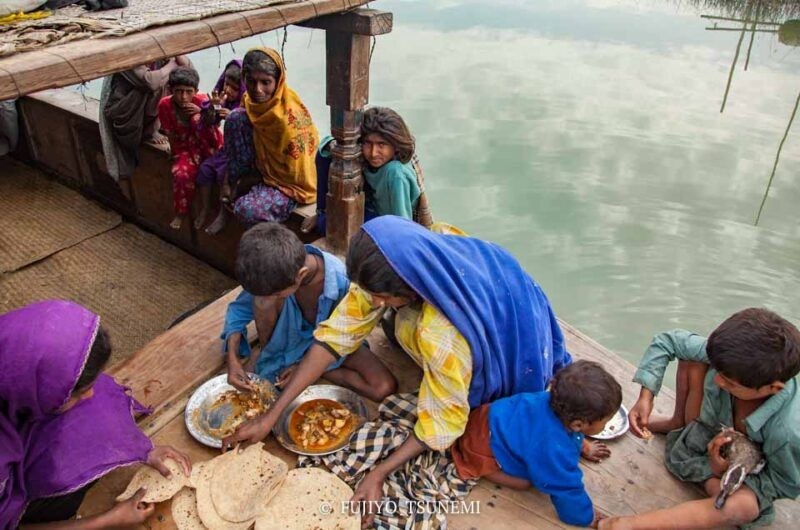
(184,511)
(159,488)
(243,483)
(304,496)
(205,508)
(197,470)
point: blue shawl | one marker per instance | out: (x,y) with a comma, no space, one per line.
(483,291)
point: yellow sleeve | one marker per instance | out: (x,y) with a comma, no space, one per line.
(350,323)
(443,407)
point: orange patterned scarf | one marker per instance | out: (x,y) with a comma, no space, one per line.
(285,139)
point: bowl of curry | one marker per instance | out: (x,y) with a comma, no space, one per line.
(321,420)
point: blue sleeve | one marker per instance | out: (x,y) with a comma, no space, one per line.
(237,317)
(558,475)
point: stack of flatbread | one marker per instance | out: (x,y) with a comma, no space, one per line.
(238,489)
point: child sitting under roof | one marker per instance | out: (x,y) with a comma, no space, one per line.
(190,140)
(742,376)
(536,439)
(288,289)
(226,97)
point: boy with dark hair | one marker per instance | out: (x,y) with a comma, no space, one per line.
(741,376)
(288,289)
(190,140)
(538,438)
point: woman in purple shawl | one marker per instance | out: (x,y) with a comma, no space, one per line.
(226,97)
(64,424)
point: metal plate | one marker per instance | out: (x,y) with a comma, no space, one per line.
(616,426)
(347,398)
(196,413)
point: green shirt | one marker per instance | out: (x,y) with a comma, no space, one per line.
(394,189)
(775,424)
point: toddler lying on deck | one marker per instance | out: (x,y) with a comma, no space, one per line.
(537,439)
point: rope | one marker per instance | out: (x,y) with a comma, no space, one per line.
(283,45)
(68,62)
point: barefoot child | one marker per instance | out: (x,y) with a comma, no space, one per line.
(289,288)
(226,97)
(190,140)
(741,376)
(537,439)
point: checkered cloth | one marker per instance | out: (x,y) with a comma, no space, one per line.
(429,478)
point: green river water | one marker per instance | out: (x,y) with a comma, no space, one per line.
(586,137)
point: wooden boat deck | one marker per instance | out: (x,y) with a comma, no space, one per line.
(165,372)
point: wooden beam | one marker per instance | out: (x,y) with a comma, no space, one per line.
(84,60)
(368,22)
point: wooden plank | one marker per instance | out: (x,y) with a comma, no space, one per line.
(84,60)
(177,360)
(362,21)
(633,480)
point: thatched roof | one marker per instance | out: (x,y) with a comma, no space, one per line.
(96,45)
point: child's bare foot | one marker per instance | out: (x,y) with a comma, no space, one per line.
(159,139)
(664,425)
(309,224)
(218,223)
(177,222)
(613,523)
(201,219)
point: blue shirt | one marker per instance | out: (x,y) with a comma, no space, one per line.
(292,334)
(529,441)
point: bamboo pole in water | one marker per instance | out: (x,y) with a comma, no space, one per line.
(735,60)
(777,157)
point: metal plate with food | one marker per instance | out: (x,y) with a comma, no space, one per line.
(321,420)
(216,408)
(616,426)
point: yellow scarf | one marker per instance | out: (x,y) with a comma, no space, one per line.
(285,139)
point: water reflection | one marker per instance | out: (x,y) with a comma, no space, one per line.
(748,18)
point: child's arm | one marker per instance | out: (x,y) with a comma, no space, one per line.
(400,196)
(664,348)
(234,336)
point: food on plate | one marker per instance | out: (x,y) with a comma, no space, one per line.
(238,407)
(320,424)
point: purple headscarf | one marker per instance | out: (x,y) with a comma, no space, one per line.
(44,453)
(234,103)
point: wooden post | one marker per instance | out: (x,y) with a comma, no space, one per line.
(347,42)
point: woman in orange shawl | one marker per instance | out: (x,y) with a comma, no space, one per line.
(270,137)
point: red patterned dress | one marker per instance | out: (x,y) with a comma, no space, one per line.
(191,142)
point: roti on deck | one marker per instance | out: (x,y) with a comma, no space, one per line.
(159,488)
(243,483)
(297,504)
(184,511)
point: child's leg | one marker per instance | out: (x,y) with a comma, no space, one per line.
(688,397)
(184,173)
(363,372)
(741,508)
(206,176)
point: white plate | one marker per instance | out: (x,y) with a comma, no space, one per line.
(616,426)
(196,413)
